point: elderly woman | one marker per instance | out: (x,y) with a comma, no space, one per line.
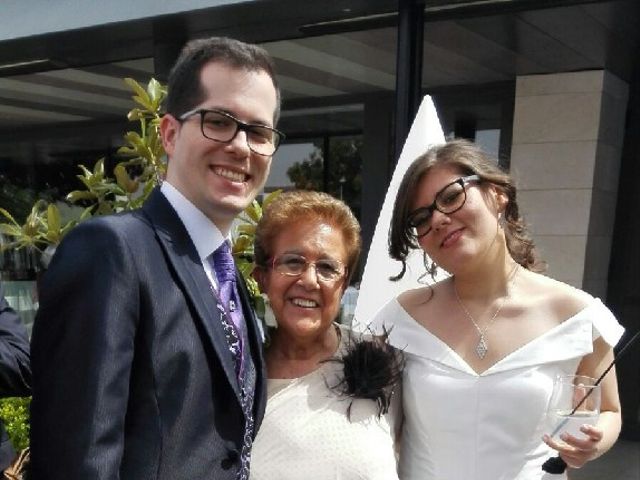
(315,426)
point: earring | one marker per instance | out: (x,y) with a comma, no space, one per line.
(501,219)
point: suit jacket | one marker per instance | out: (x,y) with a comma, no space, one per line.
(15,368)
(133,378)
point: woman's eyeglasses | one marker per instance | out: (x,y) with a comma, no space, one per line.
(294,265)
(449,199)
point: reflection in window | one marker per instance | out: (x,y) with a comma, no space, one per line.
(291,156)
(332,165)
(345,170)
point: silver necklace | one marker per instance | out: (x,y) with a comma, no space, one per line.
(482,347)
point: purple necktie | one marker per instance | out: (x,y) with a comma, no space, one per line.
(225,271)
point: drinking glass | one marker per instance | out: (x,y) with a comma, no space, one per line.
(575,401)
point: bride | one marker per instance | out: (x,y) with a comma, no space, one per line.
(484,345)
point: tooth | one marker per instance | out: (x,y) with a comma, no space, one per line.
(235,176)
(304,303)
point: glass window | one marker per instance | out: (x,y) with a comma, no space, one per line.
(297,165)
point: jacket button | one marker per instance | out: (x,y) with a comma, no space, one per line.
(232,458)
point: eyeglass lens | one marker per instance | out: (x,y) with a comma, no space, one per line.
(450,199)
(223,128)
(293,265)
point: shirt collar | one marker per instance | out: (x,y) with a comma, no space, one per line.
(203,232)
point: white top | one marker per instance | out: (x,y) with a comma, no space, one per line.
(460,425)
(306,434)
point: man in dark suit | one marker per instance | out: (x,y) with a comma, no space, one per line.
(15,368)
(142,370)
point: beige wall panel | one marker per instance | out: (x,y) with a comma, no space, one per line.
(564,256)
(554,165)
(556,212)
(557,118)
(574,82)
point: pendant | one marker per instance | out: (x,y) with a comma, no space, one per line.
(481,348)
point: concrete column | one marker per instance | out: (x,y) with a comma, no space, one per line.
(567,140)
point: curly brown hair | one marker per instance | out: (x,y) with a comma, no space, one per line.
(469,159)
(306,206)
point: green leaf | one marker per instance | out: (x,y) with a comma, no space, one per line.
(87,173)
(78,195)
(86,213)
(247,229)
(242,244)
(246,268)
(104,209)
(254,211)
(98,168)
(143,102)
(135,114)
(270,198)
(155,91)
(123,179)
(10,230)
(135,86)
(53,218)
(8,216)
(67,227)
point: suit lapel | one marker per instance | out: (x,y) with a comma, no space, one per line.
(183,257)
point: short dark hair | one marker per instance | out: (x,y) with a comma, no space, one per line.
(184,87)
(468,159)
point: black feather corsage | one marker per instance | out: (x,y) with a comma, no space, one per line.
(372,369)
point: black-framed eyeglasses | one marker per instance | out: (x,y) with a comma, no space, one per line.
(448,200)
(327,270)
(222,127)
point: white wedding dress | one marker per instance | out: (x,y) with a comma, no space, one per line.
(463,426)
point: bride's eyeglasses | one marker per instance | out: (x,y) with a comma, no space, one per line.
(448,200)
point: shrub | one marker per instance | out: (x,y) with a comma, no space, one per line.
(14,412)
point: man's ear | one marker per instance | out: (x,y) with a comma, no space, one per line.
(169,128)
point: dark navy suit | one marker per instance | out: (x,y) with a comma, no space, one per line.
(133,378)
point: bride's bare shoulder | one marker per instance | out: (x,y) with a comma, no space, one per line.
(563,298)
(418,297)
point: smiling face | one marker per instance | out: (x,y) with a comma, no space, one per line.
(304,306)
(221,179)
(463,238)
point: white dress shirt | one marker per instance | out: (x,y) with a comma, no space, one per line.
(203,232)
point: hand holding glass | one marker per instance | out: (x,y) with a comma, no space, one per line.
(575,401)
